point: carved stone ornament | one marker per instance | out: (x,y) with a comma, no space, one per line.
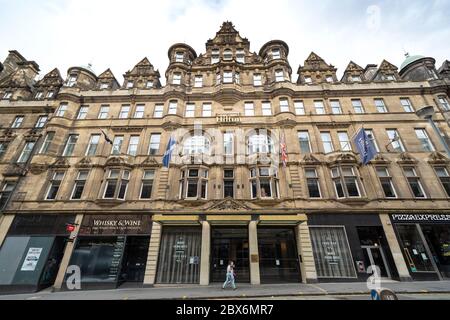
(379,159)
(311,160)
(85,163)
(117,162)
(15,170)
(229,204)
(150,162)
(406,158)
(438,158)
(61,163)
(38,168)
(345,158)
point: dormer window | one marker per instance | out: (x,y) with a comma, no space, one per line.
(355,78)
(240,56)
(72,81)
(215,58)
(130,85)
(279,75)
(329,79)
(390,77)
(276,54)
(433,74)
(176,79)
(308,80)
(39,95)
(149,84)
(50,94)
(227,55)
(104,86)
(179,57)
(194,184)
(7,95)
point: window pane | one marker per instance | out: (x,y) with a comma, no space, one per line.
(352,187)
(266,190)
(192,189)
(299,108)
(303,138)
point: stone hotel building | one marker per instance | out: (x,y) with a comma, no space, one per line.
(83,185)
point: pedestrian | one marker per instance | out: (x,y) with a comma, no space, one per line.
(230,280)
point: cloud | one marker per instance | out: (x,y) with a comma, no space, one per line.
(118,34)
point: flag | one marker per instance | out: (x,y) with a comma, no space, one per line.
(283,149)
(168,154)
(365,147)
(107,138)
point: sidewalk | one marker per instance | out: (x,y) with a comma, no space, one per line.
(244,291)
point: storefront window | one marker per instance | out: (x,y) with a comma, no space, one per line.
(414,249)
(332,253)
(438,238)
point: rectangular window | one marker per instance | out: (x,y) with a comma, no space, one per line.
(444,103)
(305,143)
(61,110)
(371,136)
(159,110)
(284,105)
(3,148)
(207,110)
(124,112)
(227,77)
(357,106)
(17,122)
(6,191)
(26,152)
(319,107)
(336,107)
(266,109)
(329,79)
(93,145)
(173,107)
(356,78)
(124,185)
(198,82)
(111,184)
(442,173)
(425,141)
(218,79)
(276,54)
(72,80)
(228,183)
(47,142)
(104,112)
(332,253)
(308,80)
(240,56)
(133,146)
(406,104)
(338,186)
(176,79)
(149,84)
(215,56)
(299,108)
(7,95)
(140,111)
(155,141)
(257,80)
(80,183)
(381,107)
(351,182)
(82,113)
(237,78)
(42,120)
(249,109)
(327,142)
(228,143)
(279,76)
(344,141)
(55,184)
(130,85)
(414,182)
(70,145)
(147,184)
(312,181)
(190,110)
(50,94)
(386,182)
(117,145)
(179,57)
(395,140)
(104,86)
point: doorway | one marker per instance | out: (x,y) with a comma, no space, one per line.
(438,239)
(374,256)
(279,260)
(230,244)
(134,260)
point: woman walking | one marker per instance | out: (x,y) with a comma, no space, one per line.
(230,280)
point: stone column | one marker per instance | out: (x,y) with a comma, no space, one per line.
(67,255)
(396,251)
(307,265)
(153,254)
(5,223)
(206,252)
(255,278)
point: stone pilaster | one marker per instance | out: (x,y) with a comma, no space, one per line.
(5,223)
(153,254)
(255,278)
(206,252)
(307,265)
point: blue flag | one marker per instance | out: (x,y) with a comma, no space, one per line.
(365,147)
(168,153)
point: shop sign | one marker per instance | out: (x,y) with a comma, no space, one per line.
(32,259)
(421,218)
(116,225)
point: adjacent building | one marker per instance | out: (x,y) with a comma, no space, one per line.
(83,183)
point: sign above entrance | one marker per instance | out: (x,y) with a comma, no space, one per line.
(116,225)
(421,218)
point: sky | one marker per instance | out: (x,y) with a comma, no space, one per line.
(118,34)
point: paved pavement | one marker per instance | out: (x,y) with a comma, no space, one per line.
(244,291)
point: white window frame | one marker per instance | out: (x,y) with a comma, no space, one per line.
(266,108)
(94,140)
(198,81)
(426,138)
(61,110)
(104,112)
(380,105)
(344,141)
(336,107)
(139,113)
(26,153)
(407,105)
(83,112)
(124,112)
(207,110)
(133,146)
(319,107)
(327,142)
(173,107)
(155,144)
(190,110)
(249,109)
(176,80)
(159,111)
(284,105)
(358,106)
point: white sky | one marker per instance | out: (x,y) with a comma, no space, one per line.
(118,34)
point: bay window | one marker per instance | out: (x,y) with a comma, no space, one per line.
(264,183)
(194,183)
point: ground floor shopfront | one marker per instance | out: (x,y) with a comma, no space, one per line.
(110,250)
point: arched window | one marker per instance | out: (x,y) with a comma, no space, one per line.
(260,142)
(196,144)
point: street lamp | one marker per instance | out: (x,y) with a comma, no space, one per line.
(427,113)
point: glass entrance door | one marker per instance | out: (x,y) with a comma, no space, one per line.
(375,256)
(229,244)
(278,255)
(134,259)
(438,239)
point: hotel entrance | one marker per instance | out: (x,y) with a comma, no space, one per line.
(230,244)
(279,261)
